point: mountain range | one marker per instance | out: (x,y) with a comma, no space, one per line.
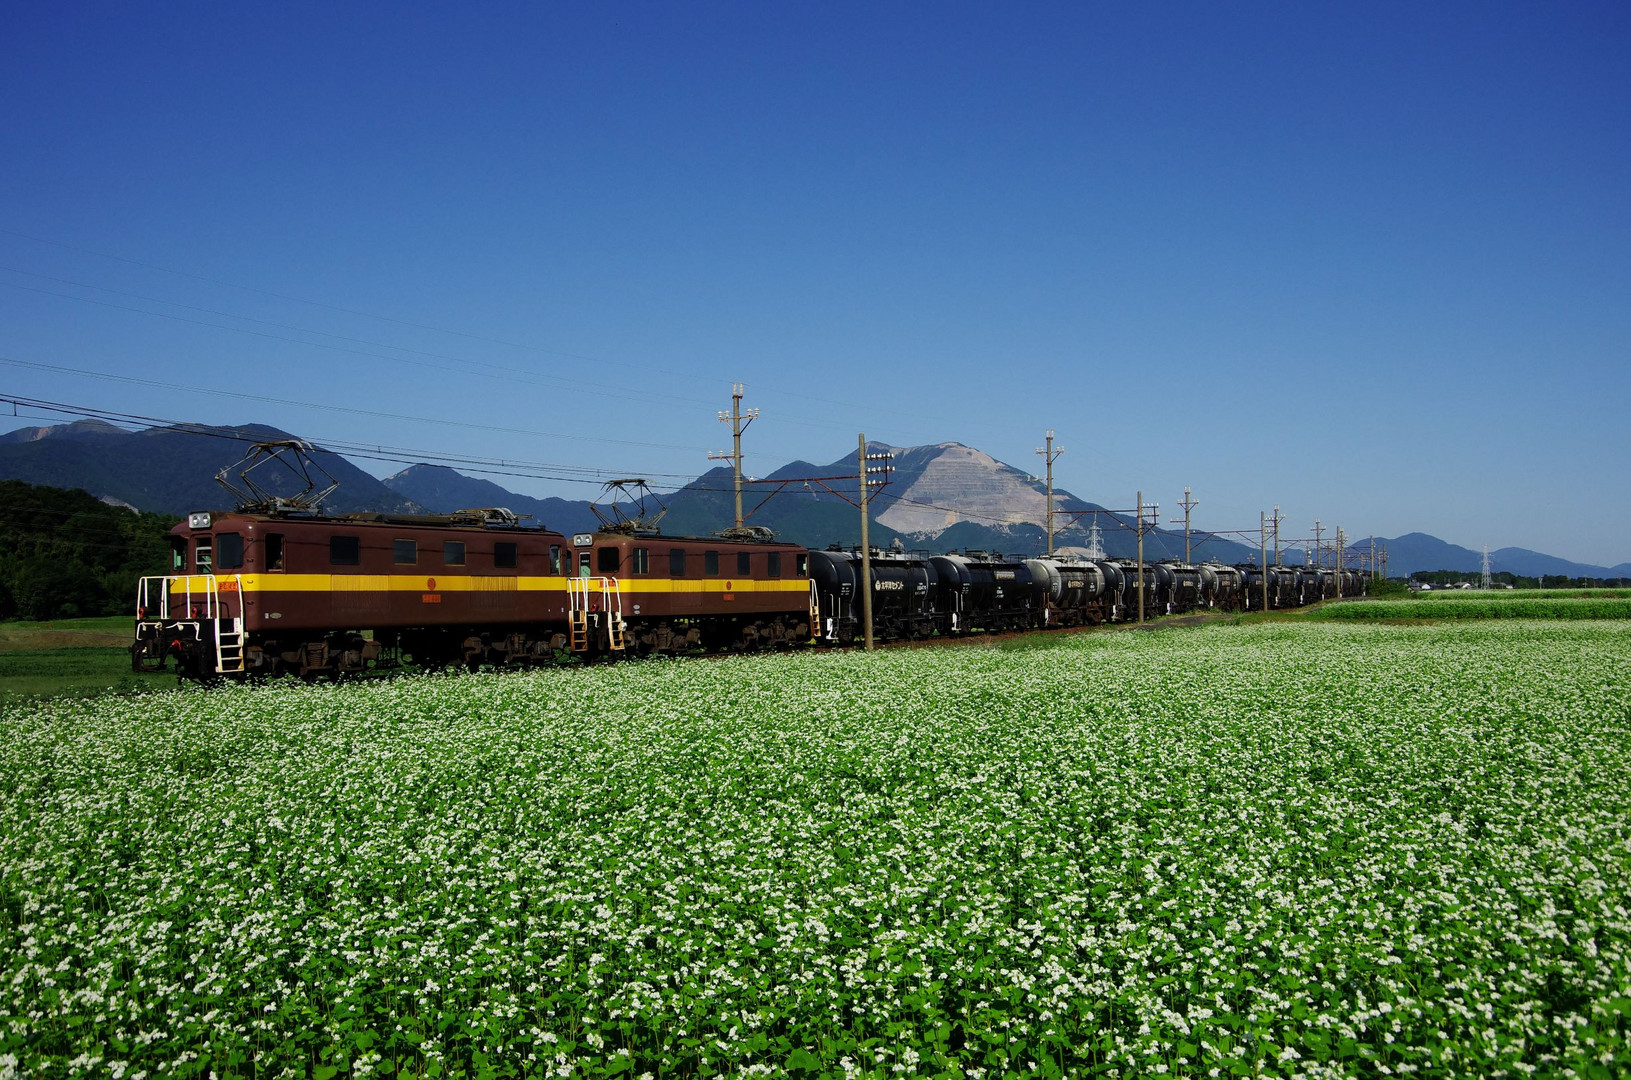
(941,497)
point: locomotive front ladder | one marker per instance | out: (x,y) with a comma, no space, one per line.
(229,632)
(612,604)
(581,594)
(174,601)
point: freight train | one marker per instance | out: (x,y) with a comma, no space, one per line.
(277,587)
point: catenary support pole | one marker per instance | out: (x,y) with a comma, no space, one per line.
(1263,545)
(1140,556)
(1188,504)
(1050,453)
(739,421)
(866,549)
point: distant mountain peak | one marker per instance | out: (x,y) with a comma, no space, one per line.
(939,486)
(79,429)
(172,469)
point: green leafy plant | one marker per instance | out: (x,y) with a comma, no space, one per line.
(1277,849)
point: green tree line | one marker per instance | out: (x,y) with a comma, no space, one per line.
(1519,581)
(64,554)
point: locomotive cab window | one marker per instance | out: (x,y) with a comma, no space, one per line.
(554,558)
(229,551)
(803,564)
(710,563)
(607,560)
(344,551)
(742,564)
(452,552)
(676,562)
(203,562)
(641,558)
(405,551)
(774,558)
(504,555)
(178,553)
(274,551)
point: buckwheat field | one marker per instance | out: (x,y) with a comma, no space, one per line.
(1314,850)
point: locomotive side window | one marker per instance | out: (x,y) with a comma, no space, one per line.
(554,558)
(804,565)
(676,562)
(274,551)
(742,564)
(452,552)
(344,551)
(178,553)
(710,563)
(774,558)
(606,560)
(201,556)
(406,551)
(641,560)
(229,551)
(504,555)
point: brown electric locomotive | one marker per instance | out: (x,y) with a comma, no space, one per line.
(278,586)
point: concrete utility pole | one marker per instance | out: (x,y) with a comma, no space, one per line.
(1188,504)
(1154,511)
(866,473)
(1050,452)
(1263,545)
(1140,556)
(1319,550)
(1277,519)
(739,421)
(866,552)
(1339,540)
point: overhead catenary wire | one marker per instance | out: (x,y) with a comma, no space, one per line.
(371,451)
(484,466)
(408,456)
(350,409)
(801,395)
(499,371)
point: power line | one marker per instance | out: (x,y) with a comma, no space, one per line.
(798,396)
(485,466)
(409,456)
(335,408)
(499,371)
(367,451)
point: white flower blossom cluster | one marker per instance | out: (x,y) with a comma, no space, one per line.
(1275,849)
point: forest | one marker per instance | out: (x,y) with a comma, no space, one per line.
(65,554)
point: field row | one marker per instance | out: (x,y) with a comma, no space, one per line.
(1524,594)
(1300,849)
(1480,606)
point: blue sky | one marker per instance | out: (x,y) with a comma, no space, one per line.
(1369,263)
